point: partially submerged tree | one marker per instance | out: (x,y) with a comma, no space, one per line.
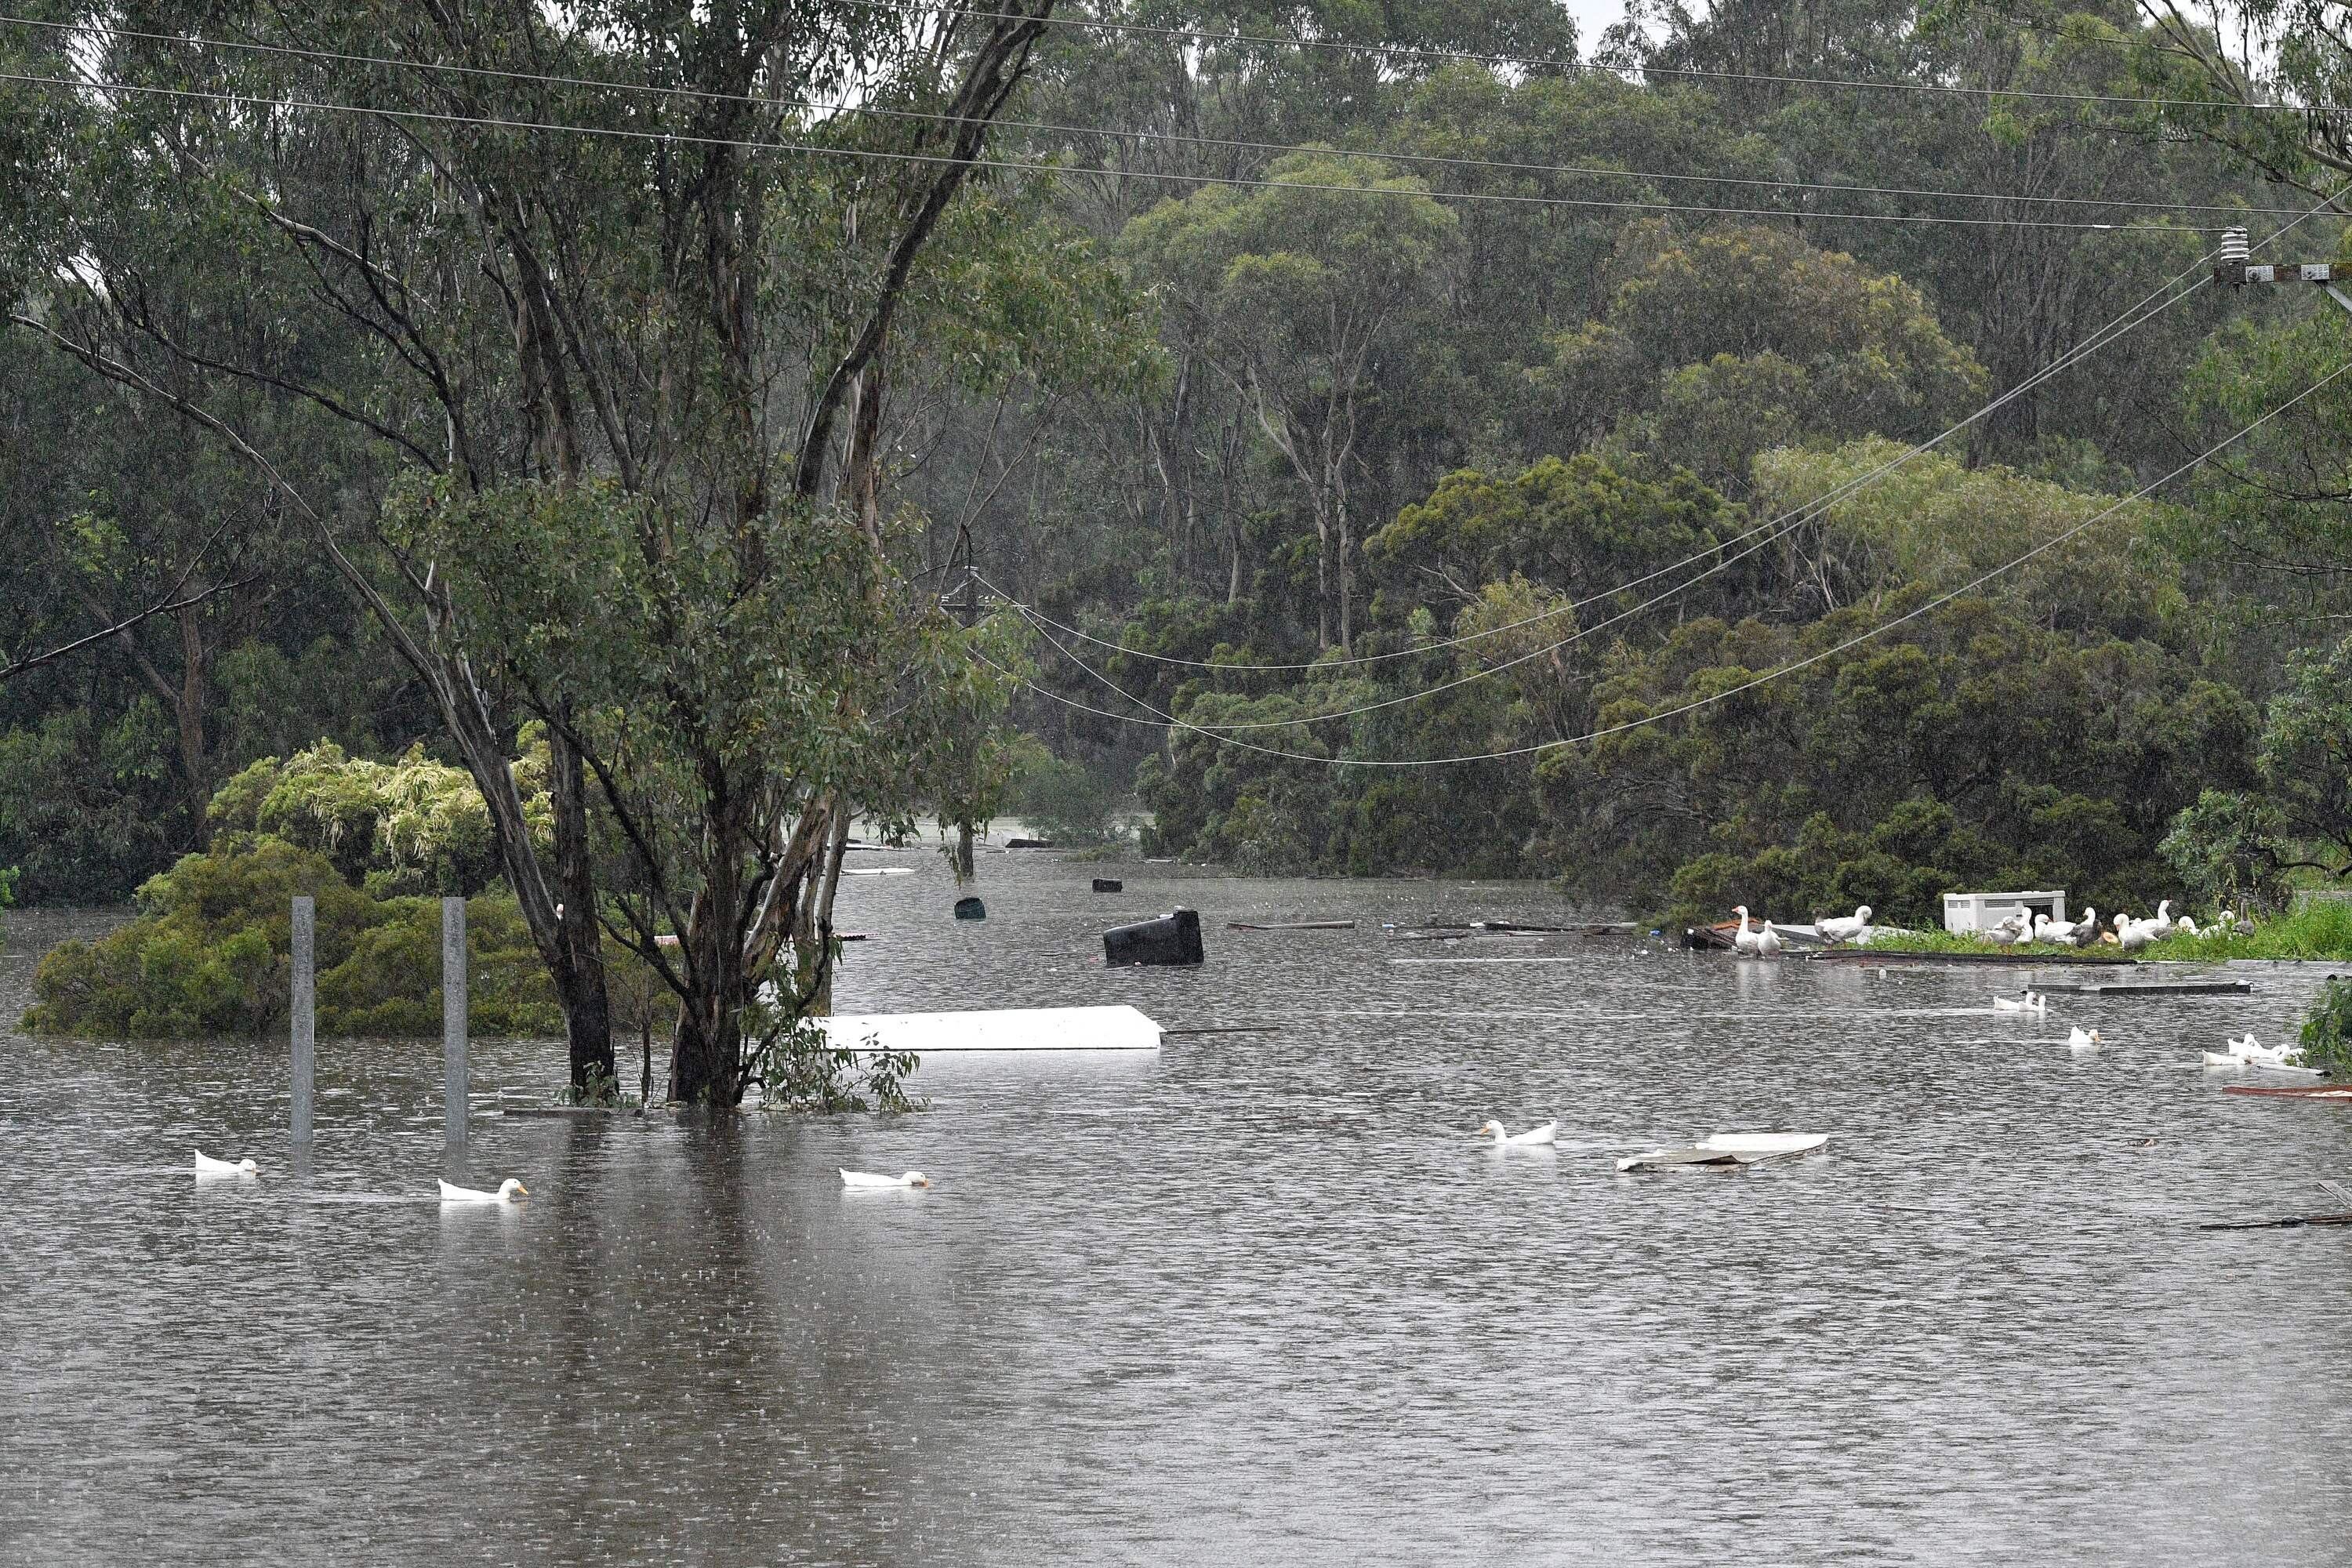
(573,287)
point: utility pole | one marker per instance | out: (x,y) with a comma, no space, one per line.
(2237,269)
(967,614)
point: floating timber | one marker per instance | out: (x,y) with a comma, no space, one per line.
(2296,1091)
(2152,987)
(998,1030)
(1290,925)
(1875,956)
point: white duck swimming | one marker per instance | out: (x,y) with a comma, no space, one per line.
(1547,1133)
(2034,1002)
(1743,938)
(208,1167)
(508,1190)
(2083,1039)
(1844,928)
(868,1179)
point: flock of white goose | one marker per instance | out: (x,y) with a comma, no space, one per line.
(2127,932)
(2237,1055)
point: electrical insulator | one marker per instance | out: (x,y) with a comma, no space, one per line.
(2234,249)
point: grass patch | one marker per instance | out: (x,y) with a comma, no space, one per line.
(2321,929)
(1947,942)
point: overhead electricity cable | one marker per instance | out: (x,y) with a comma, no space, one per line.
(1166,720)
(1774,528)
(1507,166)
(1507,199)
(2131,317)
(1543,63)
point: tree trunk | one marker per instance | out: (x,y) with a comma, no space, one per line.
(580,979)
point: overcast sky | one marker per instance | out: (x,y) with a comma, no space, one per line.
(1592,19)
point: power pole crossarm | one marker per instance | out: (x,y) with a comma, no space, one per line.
(2237,269)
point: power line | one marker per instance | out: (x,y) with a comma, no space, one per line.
(1776,527)
(702,95)
(438,117)
(2129,321)
(1165,721)
(1539,63)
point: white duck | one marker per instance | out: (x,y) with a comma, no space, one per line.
(1768,941)
(2034,1002)
(208,1167)
(2083,1039)
(868,1179)
(1844,928)
(508,1190)
(2132,935)
(2222,1061)
(1547,1133)
(2186,926)
(1743,938)
(2007,932)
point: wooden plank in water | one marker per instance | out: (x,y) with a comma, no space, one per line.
(1878,955)
(2153,988)
(996,1029)
(1290,925)
(2297,1091)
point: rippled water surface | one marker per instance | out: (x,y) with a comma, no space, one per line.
(1259,1299)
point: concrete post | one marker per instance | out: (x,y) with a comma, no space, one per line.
(305,1013)
(452,1017)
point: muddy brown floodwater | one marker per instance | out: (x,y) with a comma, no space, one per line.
(1257,1300)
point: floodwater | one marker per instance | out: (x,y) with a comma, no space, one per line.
(1257,1300)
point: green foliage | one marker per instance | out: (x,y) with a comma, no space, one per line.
(1824,348)
(1580,527)
(208,955)
(408,827)
(2230,850)
(798,1068)
(2326,1033)
(2321,929)
(1064,800)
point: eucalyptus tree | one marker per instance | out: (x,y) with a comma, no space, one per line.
(1289,293)
(574,319)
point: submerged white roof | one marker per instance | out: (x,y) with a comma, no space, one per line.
(997,1029)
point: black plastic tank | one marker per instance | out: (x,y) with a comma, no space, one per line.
(1109,885)
(969,907)
(1173,937)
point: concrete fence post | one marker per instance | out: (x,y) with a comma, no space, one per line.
(305,1013)
(453,1017)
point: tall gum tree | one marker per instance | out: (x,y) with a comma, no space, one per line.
(528,278)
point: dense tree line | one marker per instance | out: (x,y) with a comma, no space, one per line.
(1350,385)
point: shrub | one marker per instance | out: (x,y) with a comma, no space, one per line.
(2327,1031)
(208,955)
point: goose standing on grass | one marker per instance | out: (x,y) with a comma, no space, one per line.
(1548,1133)
(208,1167)
(2132,935)
(1844,928)
(1743,938)
(868,1179)
(2008,932)
(508,1190)
(2086,930)
(2083,1039)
